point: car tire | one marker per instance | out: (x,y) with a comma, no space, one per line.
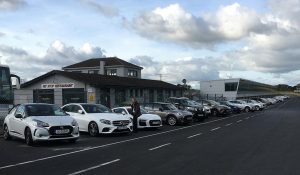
(247,109)
(28,137)
(257,108)
(6,134)
(171,120)
(215,113)
(93,129)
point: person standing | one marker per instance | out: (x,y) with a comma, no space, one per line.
(136,111)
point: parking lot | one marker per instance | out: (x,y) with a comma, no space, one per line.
(261,142)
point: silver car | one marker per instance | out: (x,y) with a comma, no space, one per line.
(169,113)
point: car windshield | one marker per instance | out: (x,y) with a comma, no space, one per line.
(213,102)
(44,110)
(95,108)
(168,107)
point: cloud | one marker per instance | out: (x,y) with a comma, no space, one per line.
(174,24)
(12,4)
(2,34)
(107,11)
(192,69)
(57,55)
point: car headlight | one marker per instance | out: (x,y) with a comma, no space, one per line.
(74,123)
(179,114)
(105,121)
(143,120)
(130,120)
(39,123)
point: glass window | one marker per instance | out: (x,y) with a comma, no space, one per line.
(231,86)
(21,110)
(156,106)
(44,110)
(43,96)
(132,73)
(75,108)
(93,108)
(111,72)
(6,93)
(93,71)
(67,108)
(74,95)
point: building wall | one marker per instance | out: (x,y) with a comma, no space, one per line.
(216,88)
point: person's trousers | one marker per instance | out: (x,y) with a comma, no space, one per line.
(135,127)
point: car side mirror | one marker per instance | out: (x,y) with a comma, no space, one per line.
(18,116)
(160,109)
(80,111)
(123,112)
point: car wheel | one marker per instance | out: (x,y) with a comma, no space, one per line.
(28,137)
(93,129)
(215,113)
(257,108)
(172,120)
(6,133)
(247,109)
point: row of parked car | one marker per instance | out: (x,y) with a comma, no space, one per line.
(35,122)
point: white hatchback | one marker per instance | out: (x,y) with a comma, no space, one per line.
(98,119)
(146,120)
(40,122)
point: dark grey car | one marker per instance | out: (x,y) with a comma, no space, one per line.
(169,113)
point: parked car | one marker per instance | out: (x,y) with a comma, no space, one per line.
(258,105)
(265,100)
(234,108)
(183,103)
(40,122)
(98,119)
(169,113)
(241,105)
(251,106)
(146,120)
(216,108)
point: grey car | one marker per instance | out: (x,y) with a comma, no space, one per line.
(169,113)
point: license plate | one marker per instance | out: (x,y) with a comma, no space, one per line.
(122,127)
(156,123)
(200,115)
(189,118)
(63,131)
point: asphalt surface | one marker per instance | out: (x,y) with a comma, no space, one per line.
(264,142)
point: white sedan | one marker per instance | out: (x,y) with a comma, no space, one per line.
(146,120)
(40,122)
(98,119)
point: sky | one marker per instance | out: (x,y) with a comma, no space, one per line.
(177,39)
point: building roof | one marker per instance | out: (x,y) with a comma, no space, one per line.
(109,61)
(105,80)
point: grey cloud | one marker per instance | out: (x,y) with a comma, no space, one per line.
(105,10)
(2,34)
(58,55)
(12,4)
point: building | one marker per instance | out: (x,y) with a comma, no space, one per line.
(106,66)
(297,88)
(235,88)
(78,84)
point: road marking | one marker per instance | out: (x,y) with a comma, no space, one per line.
(66,149)
(228,124)
(239,121)
(114,143)
(194,135)
(151,149)
(247,118)
(215,129)
(94,167)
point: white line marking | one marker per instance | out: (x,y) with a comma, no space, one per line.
(114,143)
(94,167)
(239,121)
(194,135)
(247,118)
(151,149)
(228,124)
(215,129)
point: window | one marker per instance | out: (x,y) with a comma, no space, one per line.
(75,108)
(74,95)
(132,73)
(120,111)
(43,96)
(21,110)
(231,86)
(111,72)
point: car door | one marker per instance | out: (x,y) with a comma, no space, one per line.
(18,124)
(158,108)
(81,119)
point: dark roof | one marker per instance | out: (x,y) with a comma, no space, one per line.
(109,61)
(105,80)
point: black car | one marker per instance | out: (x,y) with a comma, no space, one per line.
(216,108)
(195,108)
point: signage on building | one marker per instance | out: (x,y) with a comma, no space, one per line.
(57,86)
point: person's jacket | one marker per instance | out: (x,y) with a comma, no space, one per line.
(136,110)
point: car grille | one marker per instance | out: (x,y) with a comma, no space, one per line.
(155,122)
(54,128)
(121,123)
